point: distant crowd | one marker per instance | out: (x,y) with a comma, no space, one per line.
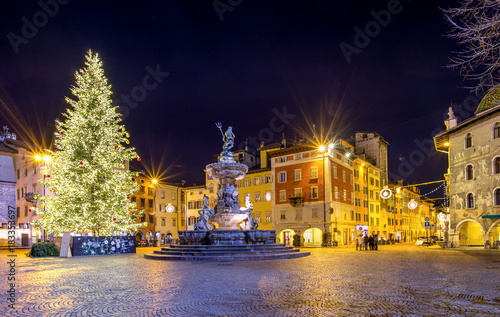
(365,242)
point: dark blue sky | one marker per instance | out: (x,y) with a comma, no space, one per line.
(242,70)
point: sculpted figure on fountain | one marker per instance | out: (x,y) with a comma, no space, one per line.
(202,221)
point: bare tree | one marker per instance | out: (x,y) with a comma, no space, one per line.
(476,27)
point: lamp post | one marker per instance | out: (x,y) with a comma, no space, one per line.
(46,159)
(154,181)
(322,150)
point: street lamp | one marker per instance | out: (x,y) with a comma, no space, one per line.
(322,149)
(46,160)
(154,181)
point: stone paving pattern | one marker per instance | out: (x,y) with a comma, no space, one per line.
(396,280)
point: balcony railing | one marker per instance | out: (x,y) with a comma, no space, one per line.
(297,201)
(30,197)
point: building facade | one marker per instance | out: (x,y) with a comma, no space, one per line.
(473,148)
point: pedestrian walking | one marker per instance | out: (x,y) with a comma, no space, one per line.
(375,242)
(370,242)
(366,242)
(357,243)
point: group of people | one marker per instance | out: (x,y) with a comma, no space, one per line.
(365,242)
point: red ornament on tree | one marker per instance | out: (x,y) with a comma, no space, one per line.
(128,197)
(29,210)
(138,159)
(114,219)
(81,163)
(62,133)
(116,146)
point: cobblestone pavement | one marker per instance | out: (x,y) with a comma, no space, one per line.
(397,280)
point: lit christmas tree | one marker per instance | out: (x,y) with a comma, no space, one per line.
(88,176)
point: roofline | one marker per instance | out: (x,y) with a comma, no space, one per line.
(444,136)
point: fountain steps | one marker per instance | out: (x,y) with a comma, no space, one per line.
(226,253)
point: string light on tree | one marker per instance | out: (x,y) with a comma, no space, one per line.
(87,177)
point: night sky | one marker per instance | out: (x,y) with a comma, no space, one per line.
(263,67)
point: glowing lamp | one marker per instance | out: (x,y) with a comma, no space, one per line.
(385,193)
(321,148)
(447,144)
(331,146)
(38,158)
(412,204)
(154,181)
(170,208)
(47,158)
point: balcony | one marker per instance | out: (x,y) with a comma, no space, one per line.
(297,201)
(30,197)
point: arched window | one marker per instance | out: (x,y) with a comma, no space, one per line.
(468,140)
(496,165)
(470,201)
(496,196)
(496,130)
(469,172)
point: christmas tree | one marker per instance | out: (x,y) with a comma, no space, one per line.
(88,176)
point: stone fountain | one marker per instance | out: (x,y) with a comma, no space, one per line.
(228,223)
(226,232)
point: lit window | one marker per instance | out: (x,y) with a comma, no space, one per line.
(297,192)
(268,179)
(268,216)
(314,172)
(267,196)
(336,192)
(257,181)
(257,217)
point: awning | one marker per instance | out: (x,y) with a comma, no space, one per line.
(491,216)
